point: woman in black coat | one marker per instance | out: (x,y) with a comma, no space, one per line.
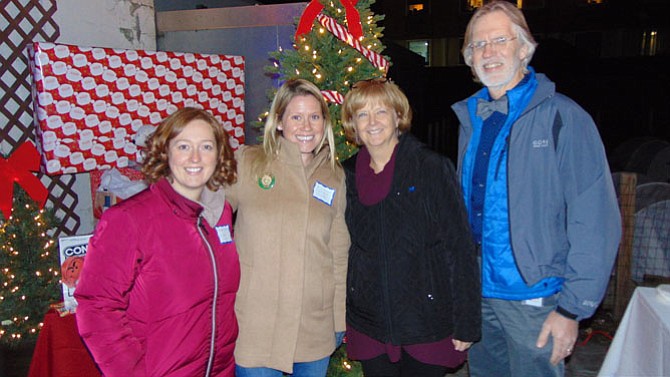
(413,286)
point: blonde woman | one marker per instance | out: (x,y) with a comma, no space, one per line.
(292,239)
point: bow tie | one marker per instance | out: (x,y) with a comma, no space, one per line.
(486,108)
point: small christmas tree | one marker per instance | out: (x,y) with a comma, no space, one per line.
(29,273)
(332,58)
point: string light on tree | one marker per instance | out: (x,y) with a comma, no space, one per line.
(333,49)
(340,365)
(28,266)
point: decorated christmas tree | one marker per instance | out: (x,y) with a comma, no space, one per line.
(337,43)
(29,276)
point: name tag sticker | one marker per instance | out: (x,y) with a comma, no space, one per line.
(224,234)
(323,193)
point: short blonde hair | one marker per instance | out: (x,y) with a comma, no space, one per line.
(380,91)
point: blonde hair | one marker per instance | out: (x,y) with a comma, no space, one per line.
(380,91)
(288,91)
(156,164)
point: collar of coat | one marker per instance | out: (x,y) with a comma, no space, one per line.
(289,153)
(182,206)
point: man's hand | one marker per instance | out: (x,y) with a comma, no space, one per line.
(460,345)
(564,333)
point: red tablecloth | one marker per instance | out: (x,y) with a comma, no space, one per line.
(59,351)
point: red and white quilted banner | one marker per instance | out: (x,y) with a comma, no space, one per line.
(90,102)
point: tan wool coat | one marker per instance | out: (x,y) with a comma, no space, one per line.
(293,243)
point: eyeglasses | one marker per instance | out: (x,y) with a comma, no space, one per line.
(378,80)
(495,43)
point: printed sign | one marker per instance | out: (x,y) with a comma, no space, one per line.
(72,256)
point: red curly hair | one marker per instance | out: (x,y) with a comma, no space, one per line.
(155,164)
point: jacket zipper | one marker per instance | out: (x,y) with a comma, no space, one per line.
(502,153)
(201,230)
(509,209)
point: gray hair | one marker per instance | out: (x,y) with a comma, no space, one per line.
(519,25)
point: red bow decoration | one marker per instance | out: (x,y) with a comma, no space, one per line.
(18,168)
(314,8)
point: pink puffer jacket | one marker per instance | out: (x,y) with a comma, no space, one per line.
(157,291)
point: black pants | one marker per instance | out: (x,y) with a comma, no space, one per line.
(407,366)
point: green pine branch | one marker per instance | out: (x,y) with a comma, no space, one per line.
(341,366)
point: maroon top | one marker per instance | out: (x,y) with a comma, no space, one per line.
(372,189)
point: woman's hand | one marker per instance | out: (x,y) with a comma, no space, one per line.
(339,337)
(460,345)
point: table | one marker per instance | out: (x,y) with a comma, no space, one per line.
(641,346)
(59,351)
